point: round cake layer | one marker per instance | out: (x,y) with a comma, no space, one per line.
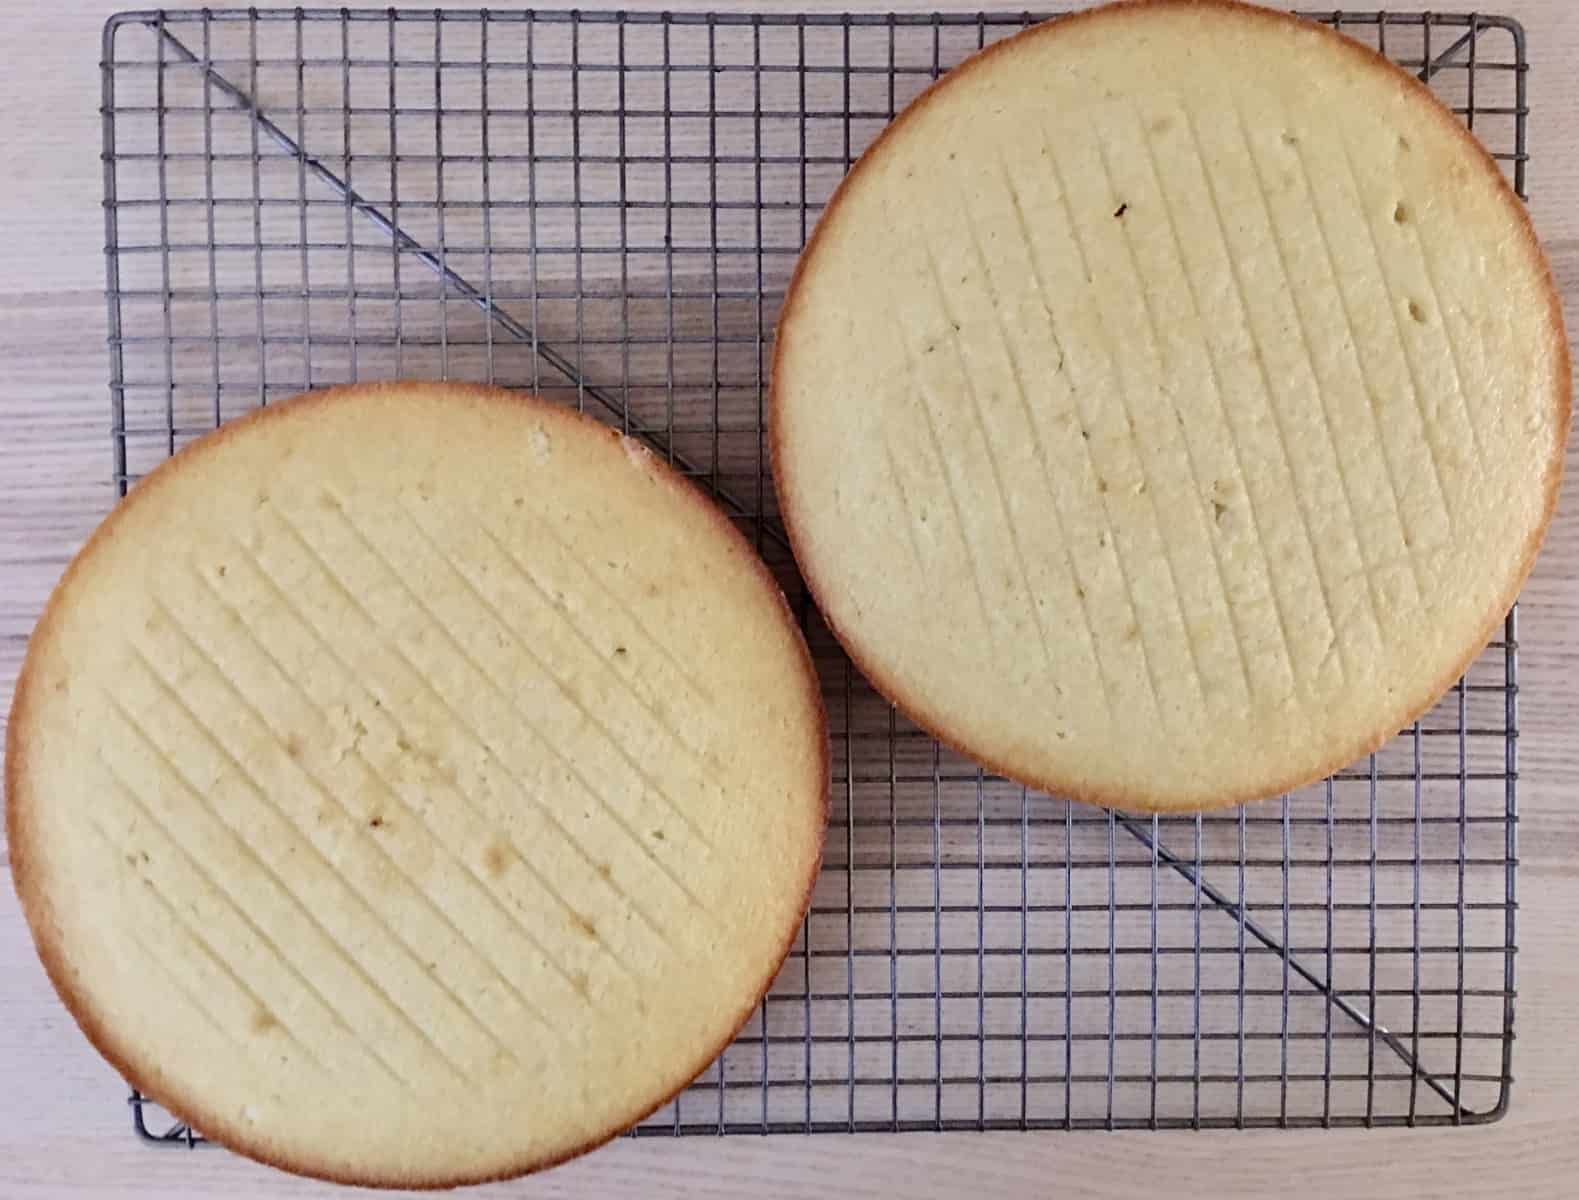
(1170,404)
(415,784)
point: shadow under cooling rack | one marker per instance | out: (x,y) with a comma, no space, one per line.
(606,208)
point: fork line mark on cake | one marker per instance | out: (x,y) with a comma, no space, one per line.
(1398,329)
(370,769)
(913,373)
(1402,217)
(455,716)
(235,906)
(911,515)
(1266,384)
(1310,362)
(1470,409)
(328,793)
(489,821)
(1171,219)
(1118,556)
(1301,505)
(1038,450)
(952,333)
(521,716)
(498,846)
(255,785)
(192,933)
(1040,447)
(1219,394)
(1372,405)
(280,886)
(546,527)
(562,611)
(366,895)
(1169,551)
(481,742)
(646,702)
(561,685)
(1154,333)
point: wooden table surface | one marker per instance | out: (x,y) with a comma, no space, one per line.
(63,1129)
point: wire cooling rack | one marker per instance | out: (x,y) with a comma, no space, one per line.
(606,209)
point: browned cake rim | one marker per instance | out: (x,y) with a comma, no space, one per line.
(1412,705)
(132,1063)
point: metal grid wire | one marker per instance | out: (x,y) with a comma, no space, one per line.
(606,209)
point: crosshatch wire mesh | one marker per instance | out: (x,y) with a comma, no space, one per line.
(606,209)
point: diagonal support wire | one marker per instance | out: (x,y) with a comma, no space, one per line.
(1440,61)
(457,282)
(1324,986)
